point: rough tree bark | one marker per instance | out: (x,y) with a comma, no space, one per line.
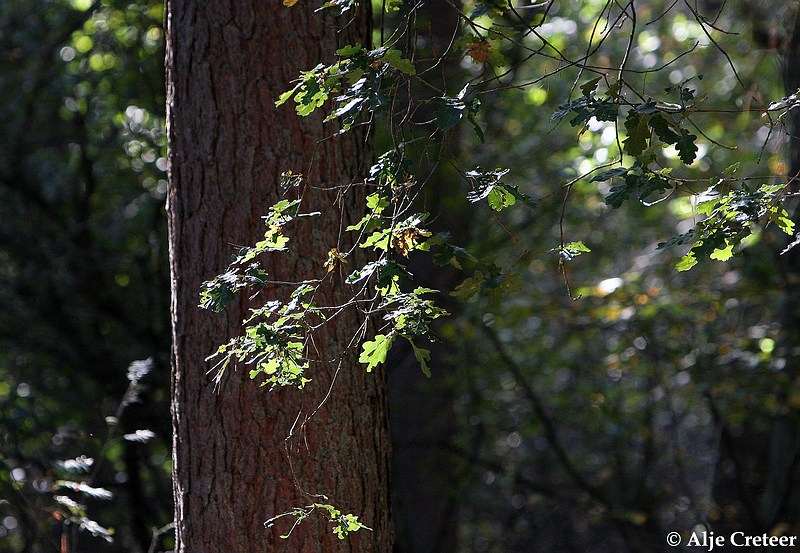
(227,62)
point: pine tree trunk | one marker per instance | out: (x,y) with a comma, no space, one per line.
(227,62)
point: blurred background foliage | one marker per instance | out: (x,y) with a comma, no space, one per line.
(605,401)
(83,277)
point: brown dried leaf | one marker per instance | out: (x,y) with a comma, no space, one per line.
(479,50)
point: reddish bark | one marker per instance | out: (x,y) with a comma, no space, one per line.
(227,63)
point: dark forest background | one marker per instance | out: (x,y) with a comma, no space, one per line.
(656,402)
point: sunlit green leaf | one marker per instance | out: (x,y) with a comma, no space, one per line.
(374,352)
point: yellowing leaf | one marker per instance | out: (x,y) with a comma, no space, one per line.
(334,257)
(405,240)
(289,3)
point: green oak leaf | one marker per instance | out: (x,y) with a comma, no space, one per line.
(687,149)
(638,133)
(423,356)
(374,352)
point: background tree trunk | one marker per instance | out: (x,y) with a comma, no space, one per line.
(227,63)
(425,496)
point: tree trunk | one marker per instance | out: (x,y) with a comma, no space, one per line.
(425,498)
(227,62)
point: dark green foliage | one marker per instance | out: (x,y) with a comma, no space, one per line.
(489,7)
(499,195)
(636,181)
(84,282)
(218,293)
(448,111)
(687,146)
(585,108)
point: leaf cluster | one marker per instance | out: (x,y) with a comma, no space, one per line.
(729,220)
(358,82)
(243,271)
(487,185)
(343,523)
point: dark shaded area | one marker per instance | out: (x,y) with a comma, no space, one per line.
(83,280)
